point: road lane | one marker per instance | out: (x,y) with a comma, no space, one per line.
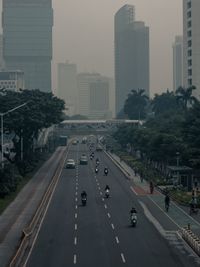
(99,234)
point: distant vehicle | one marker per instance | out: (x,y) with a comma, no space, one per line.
(74,142)
(99,148)
(70,164)
(62,140)
(84,140)
(83,160)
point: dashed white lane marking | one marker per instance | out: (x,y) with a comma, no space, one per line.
(76,215)
(76,207)
(109,215)
(76,199)
(112,225)
(117,239)
(75,226)
(123,258)
(75,259)
(75,241)
(99,188)
(105,206)
(76,193)
(101,193)
(102,198)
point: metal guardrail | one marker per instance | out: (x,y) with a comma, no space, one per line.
(192,240)
(29,230)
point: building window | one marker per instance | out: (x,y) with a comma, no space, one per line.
(189,43)
(190,72)
(189,5)
(189,62)
(189,14)
(189,53)
(189,33)
(190,82)
(189,24)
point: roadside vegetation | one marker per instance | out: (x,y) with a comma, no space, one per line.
(23,127)
(172,125)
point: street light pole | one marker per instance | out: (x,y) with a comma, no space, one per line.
(2,140)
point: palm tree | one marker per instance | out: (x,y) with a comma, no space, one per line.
(185,97)
(135,104)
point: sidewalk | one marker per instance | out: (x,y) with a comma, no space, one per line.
(177,213)
(20,211)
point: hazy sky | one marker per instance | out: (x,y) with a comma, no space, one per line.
(84,34)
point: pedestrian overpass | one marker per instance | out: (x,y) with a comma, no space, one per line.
(85,127)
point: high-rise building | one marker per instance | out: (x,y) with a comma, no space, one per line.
(191,44)
(67,87)
(12,80)
(1,52)
(93,95)
(177,62)
(27,31)
(99,99)
(131,55)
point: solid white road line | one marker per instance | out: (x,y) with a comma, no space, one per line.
(117,239)
(134,190)
(123,258)
(112,225)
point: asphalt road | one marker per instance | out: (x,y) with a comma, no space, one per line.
(99,234)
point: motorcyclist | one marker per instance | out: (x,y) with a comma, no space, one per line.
(107,188)
(97,160)
(83,194)
(105,170)
(133,211)
(96,169)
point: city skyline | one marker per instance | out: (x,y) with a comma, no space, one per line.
(92,29)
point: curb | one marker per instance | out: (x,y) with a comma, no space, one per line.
(191,239)
(28,231)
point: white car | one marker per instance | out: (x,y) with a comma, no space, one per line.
(70,164)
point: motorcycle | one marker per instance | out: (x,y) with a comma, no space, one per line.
(107,193)
(106,172)
(133,219)
(84,201)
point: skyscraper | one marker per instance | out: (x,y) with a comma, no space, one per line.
(191,44)
(177,62)
(27,30)
(67,86)
(93,95)
(1,52)
(131,55)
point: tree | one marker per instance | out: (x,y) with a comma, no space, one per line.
(43,110)
(135,104)
(185,97)
(164,103)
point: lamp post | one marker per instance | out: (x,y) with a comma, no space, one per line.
(2,140)
(177,164)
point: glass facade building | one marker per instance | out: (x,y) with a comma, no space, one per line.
(27,40)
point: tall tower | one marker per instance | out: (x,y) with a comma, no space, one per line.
(67,86)
(191,44)
(177,62)
(131,55)
(27,32)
